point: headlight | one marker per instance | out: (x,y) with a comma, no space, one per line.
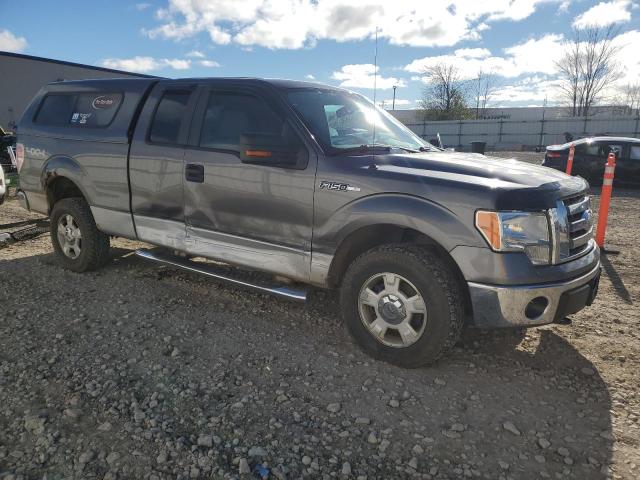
(526,232)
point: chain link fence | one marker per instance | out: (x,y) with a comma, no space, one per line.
(524,134)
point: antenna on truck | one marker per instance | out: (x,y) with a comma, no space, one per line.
(375,113)
(375,78)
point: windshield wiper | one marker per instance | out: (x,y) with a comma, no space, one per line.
(409,150)
(365,148)
(381,147)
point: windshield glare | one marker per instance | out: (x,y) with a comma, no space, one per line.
(344,120)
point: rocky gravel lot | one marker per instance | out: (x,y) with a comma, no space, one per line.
(140,371)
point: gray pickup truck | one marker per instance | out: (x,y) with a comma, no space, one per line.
(314,185)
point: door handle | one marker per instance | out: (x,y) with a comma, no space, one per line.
(194,173)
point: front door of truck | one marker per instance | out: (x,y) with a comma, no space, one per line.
(253,214)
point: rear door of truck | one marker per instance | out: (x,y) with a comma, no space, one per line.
(156,163)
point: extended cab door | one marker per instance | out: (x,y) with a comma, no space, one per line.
(156,164)
(257,214)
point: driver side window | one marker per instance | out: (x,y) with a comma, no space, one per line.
(228,116)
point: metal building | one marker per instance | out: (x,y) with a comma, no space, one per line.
(21,76)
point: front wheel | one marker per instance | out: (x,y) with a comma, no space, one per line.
(79,244)
(402,305)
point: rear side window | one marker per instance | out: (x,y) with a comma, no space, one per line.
(56,109)
(79,109)
(169,117)
(229,115)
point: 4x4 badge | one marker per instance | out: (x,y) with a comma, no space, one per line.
(345,187)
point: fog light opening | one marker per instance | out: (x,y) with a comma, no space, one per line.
(536,307)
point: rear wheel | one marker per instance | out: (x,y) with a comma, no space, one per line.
(78,243)
(402,305)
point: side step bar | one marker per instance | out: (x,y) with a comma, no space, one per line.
(295,294)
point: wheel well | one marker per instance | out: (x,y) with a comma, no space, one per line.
(61,188)
(373,236)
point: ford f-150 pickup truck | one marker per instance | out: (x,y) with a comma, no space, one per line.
(316,186)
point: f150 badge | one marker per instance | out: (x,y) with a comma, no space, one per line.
(344,187)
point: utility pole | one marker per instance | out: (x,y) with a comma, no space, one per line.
(393,104)
(544,109)
(478,96)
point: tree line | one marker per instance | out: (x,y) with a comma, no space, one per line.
(587,71)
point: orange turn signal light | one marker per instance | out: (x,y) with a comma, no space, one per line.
(489,225)
(257,153)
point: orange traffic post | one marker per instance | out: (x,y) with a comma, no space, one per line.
(572,151)
(605,199)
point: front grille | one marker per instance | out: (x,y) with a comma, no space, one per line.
(579,226)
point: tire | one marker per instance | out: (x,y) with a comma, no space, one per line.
(85,253)
(417,271)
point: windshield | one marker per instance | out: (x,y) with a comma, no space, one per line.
(344,121)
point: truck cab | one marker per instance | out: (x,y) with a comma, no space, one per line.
(313,184)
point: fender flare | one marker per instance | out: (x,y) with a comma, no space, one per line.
(60,166)
(435,221)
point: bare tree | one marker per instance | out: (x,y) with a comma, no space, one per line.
(570,73)
(445,96)
(483,89)
(630,98)
(588,67)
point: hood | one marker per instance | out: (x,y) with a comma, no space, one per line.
(513,183)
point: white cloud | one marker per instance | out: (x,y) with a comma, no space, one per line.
(10,43)
(362,76)
(604,14)
(629,43)
(309,77)
(195,54)
(472,53)
(209,63)
(564,6)
(176,63)
(142,6)
(529,89)
(532,56)
(145,64)
(296,24)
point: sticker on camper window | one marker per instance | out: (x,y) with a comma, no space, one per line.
(104,101)
(84,117)
(75,117)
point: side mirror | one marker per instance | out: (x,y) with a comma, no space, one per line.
(267,149)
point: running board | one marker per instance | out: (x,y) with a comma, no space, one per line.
(295,294)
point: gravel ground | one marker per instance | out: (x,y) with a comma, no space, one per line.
(139,371)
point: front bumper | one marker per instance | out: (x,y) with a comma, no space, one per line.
(497,306)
